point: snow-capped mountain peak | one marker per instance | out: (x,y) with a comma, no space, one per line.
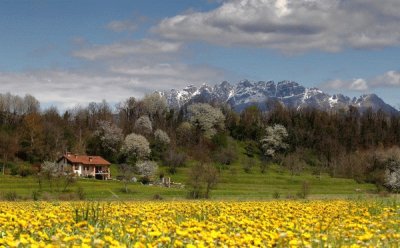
(290,93)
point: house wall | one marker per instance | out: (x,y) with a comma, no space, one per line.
(88,170)
(84,170)
(77,169)
(66,166)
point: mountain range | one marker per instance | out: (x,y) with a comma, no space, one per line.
(289,93)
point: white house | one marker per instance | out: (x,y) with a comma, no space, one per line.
(86,166)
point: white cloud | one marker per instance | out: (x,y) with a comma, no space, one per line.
(177,72)
(390,79)
(291,26)
(121,26)
(359,84)
(66,89)
(130,48)
(282,8)
(339,84)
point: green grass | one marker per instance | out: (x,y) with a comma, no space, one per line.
(234,183)
(255,185)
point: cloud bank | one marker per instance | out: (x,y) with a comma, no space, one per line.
(291,26)
(67,89)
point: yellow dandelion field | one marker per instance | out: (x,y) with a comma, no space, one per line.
(200,224)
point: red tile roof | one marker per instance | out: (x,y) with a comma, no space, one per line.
(85,160)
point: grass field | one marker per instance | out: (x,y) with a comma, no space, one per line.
(233,184)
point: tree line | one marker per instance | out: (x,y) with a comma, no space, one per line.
(138,130)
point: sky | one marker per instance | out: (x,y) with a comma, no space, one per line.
(67,53)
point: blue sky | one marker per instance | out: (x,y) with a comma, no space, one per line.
(74,52)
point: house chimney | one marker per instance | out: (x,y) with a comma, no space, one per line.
(90,159)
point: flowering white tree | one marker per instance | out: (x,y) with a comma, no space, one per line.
(55,174)
(206,118)
(146,168)
(392,177)
(388,160)
(50,169)
(143,125)
(274,140)
(161,137)
(155,105)
(136,146)
(110,136)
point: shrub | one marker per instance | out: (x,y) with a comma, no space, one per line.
(264,166)
(304,190)
(145,180)
(80,192)
(220,139)
(248,165)
(22,170)
(294,163)
(276,195)
(11,196)
(67,197)
(35,195)
(157,197)
(251,148)
(202,179)
(225,157)
(174,160)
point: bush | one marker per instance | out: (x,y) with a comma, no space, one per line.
(294,163)
(157,197)
(35,195)
(264,166)
(225,157)
(80,192)
(11,196)
(276,195)
(220,139)
(145,180)
(173,160)
(67,197)
(304,190)
(202,179)
(22,170)
(248,165)
(251,148)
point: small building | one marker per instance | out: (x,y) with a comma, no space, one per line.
(86,166)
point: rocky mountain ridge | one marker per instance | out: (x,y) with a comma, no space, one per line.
(290,93)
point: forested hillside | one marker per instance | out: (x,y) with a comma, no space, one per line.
(363,146)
